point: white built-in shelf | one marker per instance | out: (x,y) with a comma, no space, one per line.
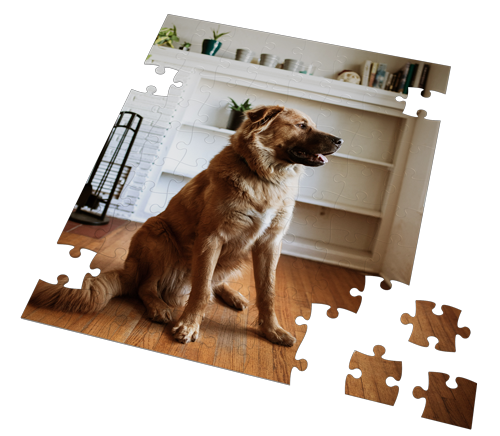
(321,89)
(341,155)
(362,159)
(331,205)
(210,128)
(186,171)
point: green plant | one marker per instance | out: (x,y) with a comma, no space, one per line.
(186,44)
(240,107)
(218,35)
(166,36)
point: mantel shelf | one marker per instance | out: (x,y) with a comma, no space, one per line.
(339,155)
(321,89)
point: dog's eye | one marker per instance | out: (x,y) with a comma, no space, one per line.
(302,125)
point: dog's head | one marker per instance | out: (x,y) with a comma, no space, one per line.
(290,135)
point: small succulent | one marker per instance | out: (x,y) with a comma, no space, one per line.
(218,35)
(240,107)
(166,35)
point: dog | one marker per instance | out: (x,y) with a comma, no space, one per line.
(239,207)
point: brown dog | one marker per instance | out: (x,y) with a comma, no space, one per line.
(241,204)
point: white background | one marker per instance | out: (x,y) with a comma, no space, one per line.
(463,265)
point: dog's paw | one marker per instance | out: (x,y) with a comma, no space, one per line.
(185,331)
(237,301)
(160,314)
(277,335)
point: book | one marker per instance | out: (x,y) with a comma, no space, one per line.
(387,80)
(373,73)
(412,81)
(411,69)
(379,77)
(425,74)
(402,79)
(418,75)
(395,81)
(366,73)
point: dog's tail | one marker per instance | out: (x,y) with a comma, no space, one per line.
(94,295)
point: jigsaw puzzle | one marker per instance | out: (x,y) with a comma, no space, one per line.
(374,372)
(347,220)
(444,327)
(451,406)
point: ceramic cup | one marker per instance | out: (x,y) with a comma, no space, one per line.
(244,55)
(269,60)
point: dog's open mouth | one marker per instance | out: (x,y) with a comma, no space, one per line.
(311,159)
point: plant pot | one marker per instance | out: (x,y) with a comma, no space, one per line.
(184,48)
(210,46)
(236,118)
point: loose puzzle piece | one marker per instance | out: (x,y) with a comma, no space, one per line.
(374,372)
(416,101)
(75,266)
(451,406)
(444,327)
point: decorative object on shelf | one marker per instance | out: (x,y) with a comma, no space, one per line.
(269,60)
(106,175)
(311,69)
(244,55)
(212,46)
(293,65)
(166,36)
(186,46)
(349,76)
(237,114)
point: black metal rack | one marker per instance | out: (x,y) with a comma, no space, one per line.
(126,123)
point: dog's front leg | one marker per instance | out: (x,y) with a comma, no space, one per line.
(266,253)
(206,253)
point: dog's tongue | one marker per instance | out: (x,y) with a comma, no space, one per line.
(320,158)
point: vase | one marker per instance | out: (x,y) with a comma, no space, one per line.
(236,118)
(210,46)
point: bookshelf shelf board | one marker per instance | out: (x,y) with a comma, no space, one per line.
(331,205)
(210,128)
(181,173)
(340,155)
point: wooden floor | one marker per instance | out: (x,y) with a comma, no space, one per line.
(228,337)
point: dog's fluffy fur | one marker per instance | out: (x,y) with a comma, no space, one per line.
(241,204)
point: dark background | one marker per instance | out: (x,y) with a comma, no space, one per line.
(73,381)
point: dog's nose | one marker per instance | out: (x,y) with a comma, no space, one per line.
(338,141)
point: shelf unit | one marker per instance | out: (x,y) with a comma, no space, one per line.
(340,155)
(345,211)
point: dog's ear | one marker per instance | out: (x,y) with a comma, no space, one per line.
(262,115)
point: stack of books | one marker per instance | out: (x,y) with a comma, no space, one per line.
(375,75)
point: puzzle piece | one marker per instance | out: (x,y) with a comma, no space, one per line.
(416,101)
(444,327)
(450,406)
(374,372)
(74,266)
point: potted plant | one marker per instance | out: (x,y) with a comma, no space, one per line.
(211,46)
(166,36)
(185,46)
(237,114)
